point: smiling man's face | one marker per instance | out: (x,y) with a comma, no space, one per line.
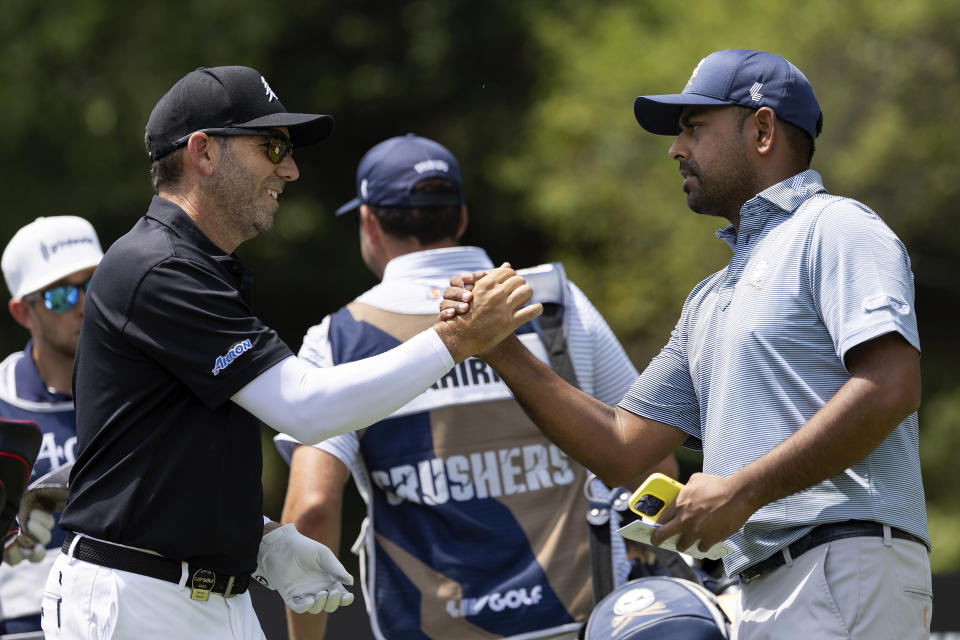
(248,184)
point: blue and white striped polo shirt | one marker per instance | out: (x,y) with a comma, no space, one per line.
(759,348)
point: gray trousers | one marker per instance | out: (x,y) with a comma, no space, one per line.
(866,587)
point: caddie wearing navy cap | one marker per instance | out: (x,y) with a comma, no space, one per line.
(388,173)
(795,369)
(174,373)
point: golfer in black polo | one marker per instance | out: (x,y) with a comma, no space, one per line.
(173,371)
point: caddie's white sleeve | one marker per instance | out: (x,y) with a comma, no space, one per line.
(312,404)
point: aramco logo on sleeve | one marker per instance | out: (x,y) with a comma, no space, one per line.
(232,354)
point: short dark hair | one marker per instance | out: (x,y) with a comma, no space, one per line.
(169,169)
(166,170)
(426,224)
(798,139)
(801,141)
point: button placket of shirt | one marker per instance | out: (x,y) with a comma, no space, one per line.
(751,216)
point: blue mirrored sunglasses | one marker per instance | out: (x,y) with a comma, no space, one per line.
(62,297)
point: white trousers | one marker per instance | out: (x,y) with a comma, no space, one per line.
(865,587)
(83,601)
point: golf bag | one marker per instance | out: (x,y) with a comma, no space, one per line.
(661,607)
(666,599)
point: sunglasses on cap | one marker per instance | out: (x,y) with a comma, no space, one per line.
(278,144)
(60,298)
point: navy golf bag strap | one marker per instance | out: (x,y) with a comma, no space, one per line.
(549,283)
(551,331)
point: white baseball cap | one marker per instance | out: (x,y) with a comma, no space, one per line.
(47,250)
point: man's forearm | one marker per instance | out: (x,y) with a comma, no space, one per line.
(306,626)
(313,404)
(314,503)
(606,441)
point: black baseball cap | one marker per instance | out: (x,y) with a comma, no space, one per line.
(220,97)
(388,172)
(744,77)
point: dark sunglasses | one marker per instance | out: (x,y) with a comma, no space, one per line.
(60,298)
(278,144)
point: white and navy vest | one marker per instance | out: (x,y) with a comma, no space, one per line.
(476,522)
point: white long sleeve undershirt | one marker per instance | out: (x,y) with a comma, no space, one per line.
(312,404)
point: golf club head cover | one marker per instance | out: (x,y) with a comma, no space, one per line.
(19,445)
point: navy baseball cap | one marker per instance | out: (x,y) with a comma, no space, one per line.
(742,77)
(220,97)
(388,172)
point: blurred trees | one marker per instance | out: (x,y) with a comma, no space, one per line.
(535,99)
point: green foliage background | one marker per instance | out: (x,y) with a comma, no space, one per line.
(535,99)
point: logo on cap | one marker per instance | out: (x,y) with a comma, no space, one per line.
(696,70)
(755,94)
(47,251)
(268,91)
(634,600)
(432,165)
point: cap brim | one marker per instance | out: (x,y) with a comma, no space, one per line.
(349,206)
(661,114)
(305,128)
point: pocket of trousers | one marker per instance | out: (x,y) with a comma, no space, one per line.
(834,597)
(50,604)
(924,597)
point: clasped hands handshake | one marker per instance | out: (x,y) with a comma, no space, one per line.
(480,309)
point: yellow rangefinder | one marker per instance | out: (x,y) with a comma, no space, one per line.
(653,496)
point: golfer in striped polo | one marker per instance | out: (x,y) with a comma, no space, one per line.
(795,369)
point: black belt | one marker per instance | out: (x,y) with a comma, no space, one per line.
(200,580)
(821,535)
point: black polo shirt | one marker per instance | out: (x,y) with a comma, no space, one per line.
(165,460)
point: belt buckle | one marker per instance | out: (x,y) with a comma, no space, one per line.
(753,572)
(201,583)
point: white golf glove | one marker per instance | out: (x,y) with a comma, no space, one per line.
(31,544)
(304,572)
